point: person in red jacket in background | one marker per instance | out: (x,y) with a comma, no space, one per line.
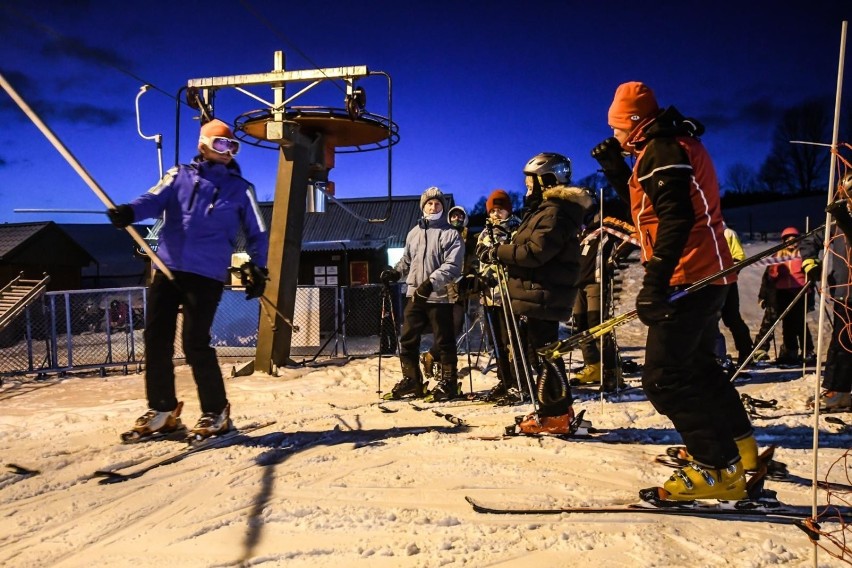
(782,282)
(674,197)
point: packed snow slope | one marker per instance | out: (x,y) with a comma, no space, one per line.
(339,480)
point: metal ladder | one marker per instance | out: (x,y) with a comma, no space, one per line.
(17,295)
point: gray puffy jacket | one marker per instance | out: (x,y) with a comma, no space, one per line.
(434,251)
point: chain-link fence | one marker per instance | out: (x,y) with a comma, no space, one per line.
(79,329)
(104,328)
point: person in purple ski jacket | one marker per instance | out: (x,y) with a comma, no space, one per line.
(205,204)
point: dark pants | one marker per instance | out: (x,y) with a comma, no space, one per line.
(838,363)
(796,335)
(587,313)
(497,326)
(199,297)
(539,333)
(769,317)
(439,318)
(684,381)
(459,309)
(734,322)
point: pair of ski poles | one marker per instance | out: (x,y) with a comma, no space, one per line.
(559,348)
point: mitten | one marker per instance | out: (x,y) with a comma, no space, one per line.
(812,269)
(254,278)
(121,216)
(652,302)
(389,276)
(421,294)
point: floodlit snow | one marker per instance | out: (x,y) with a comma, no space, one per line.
(335,481)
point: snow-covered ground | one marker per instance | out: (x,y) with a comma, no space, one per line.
(337,481)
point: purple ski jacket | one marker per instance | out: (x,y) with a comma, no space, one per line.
(205,206)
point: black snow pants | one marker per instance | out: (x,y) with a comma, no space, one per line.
(684,381)
(199,297)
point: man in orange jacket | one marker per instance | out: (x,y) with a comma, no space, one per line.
(674,197)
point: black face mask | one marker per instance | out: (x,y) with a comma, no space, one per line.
(534,199)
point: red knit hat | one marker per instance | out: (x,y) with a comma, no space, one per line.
(633,101)
(498,198)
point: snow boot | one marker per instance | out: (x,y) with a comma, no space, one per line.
(497,393)
(449,386)
(760,356)
(746,446)
(213,423)
(513,396)
(590,374)
(155,421)
(696,481)
(430,366)
(411,383)
(834,401)
(562,425)
(788,358)
(407,386)
(748,452)
(613,380)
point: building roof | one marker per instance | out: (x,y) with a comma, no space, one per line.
(40,243)
(345,223)
(113,249)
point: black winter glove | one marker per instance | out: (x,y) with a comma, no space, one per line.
(812,269)
(488,280)
(421,294)
(489,255)
(652,302)
(609,154)
(254,278)
(121,216)
(389,276)
(840,211)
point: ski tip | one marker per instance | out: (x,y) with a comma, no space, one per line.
(21,470)
(110,477)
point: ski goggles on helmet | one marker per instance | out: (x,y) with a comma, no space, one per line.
(221,144)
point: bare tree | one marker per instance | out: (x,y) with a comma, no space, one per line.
(740,178)
(773,174)
(805,166)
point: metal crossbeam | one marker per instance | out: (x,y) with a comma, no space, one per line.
(272,77)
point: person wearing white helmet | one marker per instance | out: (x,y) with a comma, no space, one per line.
(542,261)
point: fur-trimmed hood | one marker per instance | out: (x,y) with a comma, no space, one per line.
(577,195)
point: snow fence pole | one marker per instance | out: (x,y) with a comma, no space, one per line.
(560,348)
(81,171)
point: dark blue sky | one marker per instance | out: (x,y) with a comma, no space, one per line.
(478,87)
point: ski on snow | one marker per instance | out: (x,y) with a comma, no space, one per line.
(741,510)
(115,476)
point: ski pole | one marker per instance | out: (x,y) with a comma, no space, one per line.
(266,302)
(81,171)
(759,343)
(516,345)
(559,348)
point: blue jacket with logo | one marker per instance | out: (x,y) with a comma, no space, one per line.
(205,205)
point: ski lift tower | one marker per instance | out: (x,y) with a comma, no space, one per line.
(306,139)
